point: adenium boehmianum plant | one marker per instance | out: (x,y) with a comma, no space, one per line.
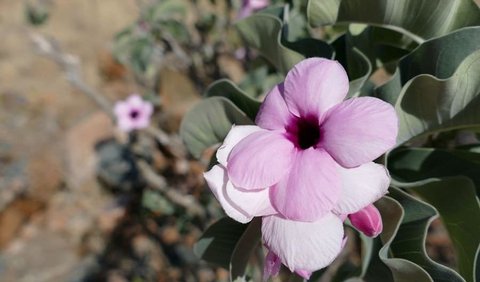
(306,166)
(133,113)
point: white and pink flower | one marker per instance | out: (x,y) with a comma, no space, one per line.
(306,165)
(133,113)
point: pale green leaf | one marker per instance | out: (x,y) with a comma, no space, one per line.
(428,104)
(420,19)
(439,57)
(209,122)
(226,88)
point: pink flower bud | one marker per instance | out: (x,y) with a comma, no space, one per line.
(368,220)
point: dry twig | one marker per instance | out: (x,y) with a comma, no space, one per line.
(71,66)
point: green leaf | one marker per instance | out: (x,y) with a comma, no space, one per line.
(439,57)
(458,206)
(428,104)
(269,35)
(431,175)
(169,9)
(246,246)
(420,19)
(218,242)
(156,203)
(226,88)
(400,269)
(230,244)
(381,46)
(407,165)
(263,32)
(409,243)
(209,122)
(360,66)
(134,51)
(37,13)
(259,81)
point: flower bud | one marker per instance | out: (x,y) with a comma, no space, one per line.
(367,220)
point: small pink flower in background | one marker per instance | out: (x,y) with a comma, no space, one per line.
(250,6)
(306,165)
(133,113)
(367,220)
(241,53)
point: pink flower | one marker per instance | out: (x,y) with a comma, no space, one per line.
(306,165)
(367,220)
(309,145)
(133,113)
(250,6)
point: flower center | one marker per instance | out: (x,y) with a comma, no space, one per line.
(304,132)
(134,114)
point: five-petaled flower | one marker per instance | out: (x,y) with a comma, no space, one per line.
(250,6)
(306,165)
(133,113)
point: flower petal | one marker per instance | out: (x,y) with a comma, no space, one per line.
(314,85)
(311,189)
(147,109)
(125,124)
(304,273)
(272,265)
(242,206)
(258,4)
(260,160)
(273,113)
(305,246)
(141,122)
(134,101)
(361,186)
(121,109)
(359,130)
(235,135)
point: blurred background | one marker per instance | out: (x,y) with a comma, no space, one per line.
(77,202)
(57,221)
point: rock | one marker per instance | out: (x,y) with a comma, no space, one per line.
(160,162)
(45,173)
(42,258)
(231,67)
(110,218)
(206,275)
(178,95)
(14,216)
(116,167)
(80,145)
(115,276)
(12,180)
(169,235)
(223,275)
(110,68)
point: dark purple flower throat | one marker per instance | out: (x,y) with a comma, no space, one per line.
(304,132)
